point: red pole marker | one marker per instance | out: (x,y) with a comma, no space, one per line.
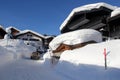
(105,57)
(105,53)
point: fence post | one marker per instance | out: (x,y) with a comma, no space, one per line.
(105,58)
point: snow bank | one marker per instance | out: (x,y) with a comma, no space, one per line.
(5,56)
(87,7)
(17,48)
(23,49)
(115,12)
(7,36)
(87,63)
(75,37)
(47,59)
(93,54)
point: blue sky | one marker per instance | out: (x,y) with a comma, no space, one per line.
(42,16)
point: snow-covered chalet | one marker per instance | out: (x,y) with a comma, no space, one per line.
(73,40)
(39,41)
(102,17)
(32,38)
(13,31)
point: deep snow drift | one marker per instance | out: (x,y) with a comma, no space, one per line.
(76,37)
(11,49)
(85,63)
(15,63)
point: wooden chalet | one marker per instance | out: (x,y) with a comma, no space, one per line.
(32,38)
(2,33)
(114,26)
(62,47)
(14,31)
(96,18)
(47,40)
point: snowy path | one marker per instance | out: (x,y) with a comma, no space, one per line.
(26,70)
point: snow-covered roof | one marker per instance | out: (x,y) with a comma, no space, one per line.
(115,12)
(8,28)
(48,37)
(86,8)
(26,31)
(76,37)
(2,27)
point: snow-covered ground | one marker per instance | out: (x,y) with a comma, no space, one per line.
(85,63)
(14,49)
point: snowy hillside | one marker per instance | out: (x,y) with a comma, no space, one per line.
(14,49)
(85,63)
(93,54)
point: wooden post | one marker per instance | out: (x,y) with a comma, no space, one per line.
(105,58)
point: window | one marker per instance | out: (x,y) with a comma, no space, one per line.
(24,39)
(30,35)
(34,40)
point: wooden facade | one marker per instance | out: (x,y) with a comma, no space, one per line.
(62,47)
(2,33)
(30,38)
(95,19)
(47,40)
(98,19)
(14,31)
(114,26)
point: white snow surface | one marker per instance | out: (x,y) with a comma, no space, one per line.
(115,12)
(14,49)
(93,54)
(86,8)
(76,37)
(85,63)
(7,36)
